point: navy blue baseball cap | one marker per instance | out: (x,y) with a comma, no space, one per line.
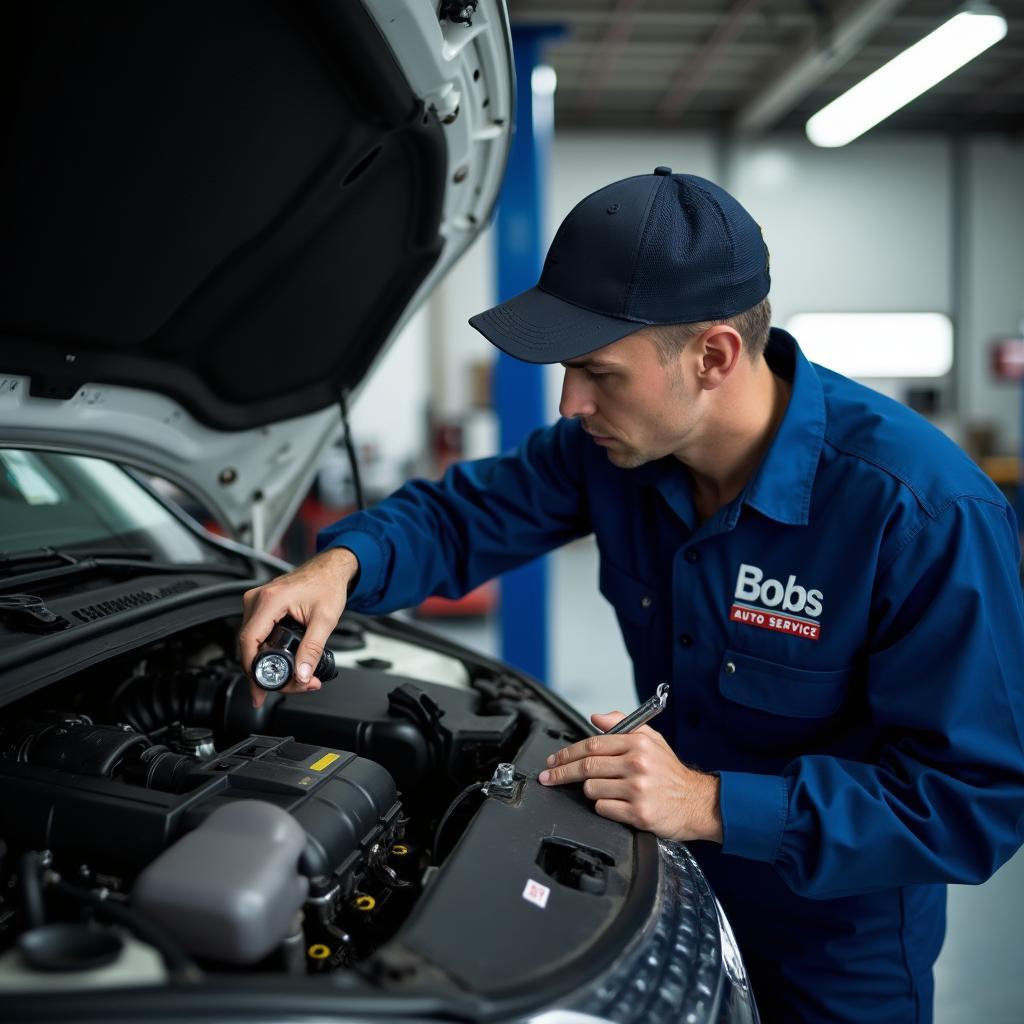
(657,248)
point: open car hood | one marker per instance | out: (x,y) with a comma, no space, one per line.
(215,216)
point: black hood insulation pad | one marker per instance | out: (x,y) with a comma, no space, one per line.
(229,203)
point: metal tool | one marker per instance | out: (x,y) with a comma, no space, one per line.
(643,714)
(654,706)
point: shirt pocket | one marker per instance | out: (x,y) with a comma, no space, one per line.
(781,689)
(633,601)
(637,608)
(777,709)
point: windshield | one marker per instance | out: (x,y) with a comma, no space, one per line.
(74,502)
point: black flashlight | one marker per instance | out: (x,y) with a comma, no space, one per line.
(274,665)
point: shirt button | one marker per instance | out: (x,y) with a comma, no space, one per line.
(692,719)
(645,602)
(730,667)
(686,640)
(692,555)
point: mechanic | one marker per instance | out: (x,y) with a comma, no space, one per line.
(829,584)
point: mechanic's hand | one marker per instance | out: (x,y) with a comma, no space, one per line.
(313,594)
(636,778)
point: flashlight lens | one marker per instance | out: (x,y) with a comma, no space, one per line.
(272,671)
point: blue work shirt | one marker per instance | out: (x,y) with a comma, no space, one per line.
(845,644)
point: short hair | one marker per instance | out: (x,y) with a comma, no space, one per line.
(752,325)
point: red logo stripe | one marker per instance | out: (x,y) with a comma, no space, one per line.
(775,621)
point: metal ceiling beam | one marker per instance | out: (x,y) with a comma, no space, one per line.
(611,42)
(690,77)
(638,51)
(851,29)
(579,17)
(1009,82)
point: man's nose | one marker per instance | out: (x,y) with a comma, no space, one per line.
(576,398)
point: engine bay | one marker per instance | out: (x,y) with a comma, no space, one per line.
(145,798)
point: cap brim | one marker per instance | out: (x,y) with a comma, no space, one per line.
(538,327)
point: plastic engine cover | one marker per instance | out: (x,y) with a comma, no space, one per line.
(230,889)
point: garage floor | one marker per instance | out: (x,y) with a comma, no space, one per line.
(980,973)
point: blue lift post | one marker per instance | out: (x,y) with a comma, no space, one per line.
(519,387)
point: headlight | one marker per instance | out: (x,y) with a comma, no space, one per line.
(684,967)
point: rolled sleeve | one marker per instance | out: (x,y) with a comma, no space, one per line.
(753,809)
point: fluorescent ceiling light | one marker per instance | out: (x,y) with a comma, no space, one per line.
(906,76)
(883,345)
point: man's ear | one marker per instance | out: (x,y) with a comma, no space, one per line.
(718,351)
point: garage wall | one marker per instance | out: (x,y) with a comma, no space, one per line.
(862,229)
(994,278)
(389,412)
(468,289)
(866,228)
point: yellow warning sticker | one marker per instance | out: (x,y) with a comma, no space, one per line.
(327,759)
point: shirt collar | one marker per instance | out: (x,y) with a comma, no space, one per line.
(781,487)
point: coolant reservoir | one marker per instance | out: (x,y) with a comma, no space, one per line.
(134,963)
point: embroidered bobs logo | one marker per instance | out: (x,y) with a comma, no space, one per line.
(771,604)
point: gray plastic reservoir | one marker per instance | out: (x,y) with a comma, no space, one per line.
(137,964)
(229,890)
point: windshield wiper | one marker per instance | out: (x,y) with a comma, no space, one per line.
(46,555)
(31,614)
(130,561)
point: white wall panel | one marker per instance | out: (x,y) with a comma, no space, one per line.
(863,229)
(994,306)
(389,410)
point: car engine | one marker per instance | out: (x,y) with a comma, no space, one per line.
(298,837)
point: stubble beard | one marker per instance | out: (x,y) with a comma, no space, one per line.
(628,459)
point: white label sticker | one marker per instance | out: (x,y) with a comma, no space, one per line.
(536,893)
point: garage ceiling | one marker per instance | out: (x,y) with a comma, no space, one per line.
(761,65)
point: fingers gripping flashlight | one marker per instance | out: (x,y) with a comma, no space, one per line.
(274,665)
